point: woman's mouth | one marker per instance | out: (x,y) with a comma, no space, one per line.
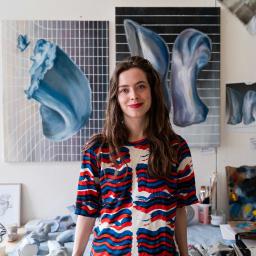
(137,105)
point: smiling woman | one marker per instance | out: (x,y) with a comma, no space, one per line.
(137,175)
(134,98)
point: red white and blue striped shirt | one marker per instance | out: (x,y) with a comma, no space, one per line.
(136,213)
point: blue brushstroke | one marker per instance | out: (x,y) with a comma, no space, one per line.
(149,45)
(235,104)
(22,42)
(191,52)
(249,107)
(62,90)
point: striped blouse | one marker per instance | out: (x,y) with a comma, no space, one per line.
(135,213)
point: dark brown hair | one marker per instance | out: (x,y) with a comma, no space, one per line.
(159,131)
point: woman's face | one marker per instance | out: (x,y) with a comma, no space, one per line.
(134,94)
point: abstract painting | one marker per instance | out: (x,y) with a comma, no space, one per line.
(245,10)
(183,44)
(55,77)
(10,195)
(241,106)
(241,184)
(60,88)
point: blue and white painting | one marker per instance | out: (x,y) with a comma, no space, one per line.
(183,44)
(55,77)
(61,89)
(241,106)
(191,52)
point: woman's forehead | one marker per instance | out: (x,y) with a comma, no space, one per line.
(132,75)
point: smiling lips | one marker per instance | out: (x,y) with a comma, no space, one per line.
(137,105)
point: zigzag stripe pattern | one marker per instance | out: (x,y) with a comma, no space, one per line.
(159,242)
(186,181)
(87,203)
(110,242)
(136,212)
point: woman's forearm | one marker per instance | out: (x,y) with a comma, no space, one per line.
(181,231)
(84,226)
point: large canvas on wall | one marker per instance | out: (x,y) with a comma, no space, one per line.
(55,82)
(183,44)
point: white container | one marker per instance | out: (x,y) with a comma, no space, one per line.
(216,220)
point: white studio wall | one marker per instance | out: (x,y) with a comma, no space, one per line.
(49,187)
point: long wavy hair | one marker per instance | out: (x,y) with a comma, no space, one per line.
(159,131)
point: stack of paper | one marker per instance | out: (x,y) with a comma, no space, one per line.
(227,232)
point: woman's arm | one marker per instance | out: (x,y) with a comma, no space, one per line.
(181,231)
(84,226)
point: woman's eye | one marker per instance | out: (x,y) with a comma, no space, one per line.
(142,86)
(124,90)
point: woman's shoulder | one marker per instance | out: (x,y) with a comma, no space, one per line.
(180,146)
(177,140)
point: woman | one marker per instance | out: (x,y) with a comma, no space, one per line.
(136,176)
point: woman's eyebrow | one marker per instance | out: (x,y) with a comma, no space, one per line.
(141,82)
(138,82)
(123,85)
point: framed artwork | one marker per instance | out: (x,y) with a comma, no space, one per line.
(183,44)
(10,197)
(240,105)
(55,83)
(241,185)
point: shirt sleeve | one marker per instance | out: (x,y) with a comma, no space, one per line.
(186,179)
(88,191)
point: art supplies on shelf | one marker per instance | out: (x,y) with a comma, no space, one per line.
(213,193)
(204,195)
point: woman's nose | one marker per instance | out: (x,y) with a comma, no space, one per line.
(133,94)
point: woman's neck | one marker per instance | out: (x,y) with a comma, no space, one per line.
(136,128)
